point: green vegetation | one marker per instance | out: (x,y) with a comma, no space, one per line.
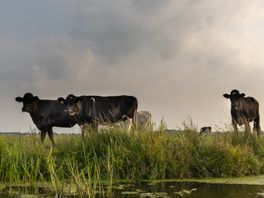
(79,165)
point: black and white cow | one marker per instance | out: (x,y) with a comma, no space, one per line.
(244,110)
(46,114)
(95,110)
(142,122)
(205,130)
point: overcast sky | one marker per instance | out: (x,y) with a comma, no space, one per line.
(178,57)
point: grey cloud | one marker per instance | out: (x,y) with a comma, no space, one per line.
(145,4)
(177,57)
(114,35)
(116,30)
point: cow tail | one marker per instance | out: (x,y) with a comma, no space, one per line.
(134,119)
(257,123)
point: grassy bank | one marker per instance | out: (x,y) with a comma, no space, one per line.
(136,156)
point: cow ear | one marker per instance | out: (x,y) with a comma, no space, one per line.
(36,98)
(61,100)
(226,96)
(79,99)
(70,96)
(19,99)
(242,95)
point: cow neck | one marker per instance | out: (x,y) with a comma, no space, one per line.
(78,118)
(34,109)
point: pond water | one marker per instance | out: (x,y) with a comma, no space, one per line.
(164,190)
(187,189)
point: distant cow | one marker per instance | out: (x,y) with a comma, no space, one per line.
(125,125)
(95,110)
(46,114)
(244,110)
(206,129)
(143,120)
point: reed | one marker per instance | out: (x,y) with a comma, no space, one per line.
(85,166)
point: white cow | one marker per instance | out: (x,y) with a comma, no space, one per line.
(143,120)
(125,125)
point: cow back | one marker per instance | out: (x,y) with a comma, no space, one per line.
(245,108)
(108,108)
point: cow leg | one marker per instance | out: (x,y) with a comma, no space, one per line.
(256,126)
(42,136)
(82,129)
(255,130)
(88,128)
(85,128)
(50,132)
(247,127)
(95,126)
(134,120)
(234,123)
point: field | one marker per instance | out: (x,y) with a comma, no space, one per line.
(79,165)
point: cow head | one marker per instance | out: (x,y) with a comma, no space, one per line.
(234,95)
(29,102)
(72,104)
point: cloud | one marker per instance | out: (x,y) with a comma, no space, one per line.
(178,57)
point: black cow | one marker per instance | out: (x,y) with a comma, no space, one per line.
(206,129)
(46,114)
(244,110)
(98,109)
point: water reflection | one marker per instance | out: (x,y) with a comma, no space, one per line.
(156,190)
(187,189)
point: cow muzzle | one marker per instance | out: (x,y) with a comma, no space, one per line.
(71,113)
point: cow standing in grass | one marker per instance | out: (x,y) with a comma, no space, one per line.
(143,120)
(46,114)
(244,110)
(95,110)
(205,130)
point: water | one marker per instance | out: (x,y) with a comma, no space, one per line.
(165,189)
(188,189)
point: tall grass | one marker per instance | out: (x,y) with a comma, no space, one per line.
(82,165)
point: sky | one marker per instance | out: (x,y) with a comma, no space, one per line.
(178,57)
